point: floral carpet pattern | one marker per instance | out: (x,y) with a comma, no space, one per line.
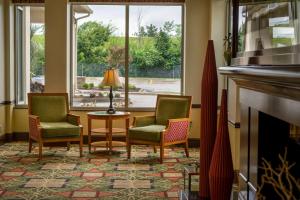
(62,174)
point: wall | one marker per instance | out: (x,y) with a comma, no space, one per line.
(57,46)
(218,32)
(196,34)
(197,26)
(2,70)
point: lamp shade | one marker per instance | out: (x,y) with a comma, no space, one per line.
(111,78)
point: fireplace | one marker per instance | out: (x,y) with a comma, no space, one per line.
(267,130)
(270,121)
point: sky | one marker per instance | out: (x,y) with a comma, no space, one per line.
(115,15)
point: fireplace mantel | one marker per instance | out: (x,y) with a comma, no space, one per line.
(269,104)
(283,81)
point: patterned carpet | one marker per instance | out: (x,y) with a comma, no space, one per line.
(63,174)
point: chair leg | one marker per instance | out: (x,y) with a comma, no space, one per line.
(68,146)
(40,150)
(186,149)
(80,147)
(154,149)
(161,154)
(128,150)
(30,145)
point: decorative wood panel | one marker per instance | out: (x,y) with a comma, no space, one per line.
(221,168)
(209,96)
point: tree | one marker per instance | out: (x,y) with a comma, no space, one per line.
(178,30)
(151,30)
(37,50)
(92,36)
(116,57)
(169,27)
(162,44)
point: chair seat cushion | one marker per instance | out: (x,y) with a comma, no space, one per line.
(146,133)
(59,129)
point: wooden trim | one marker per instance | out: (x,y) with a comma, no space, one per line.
(28,1)
(128,1)
(196,105)
(7,103)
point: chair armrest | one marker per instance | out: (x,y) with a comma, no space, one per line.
(73,119)
(177,130)
(34,127)
(143,121)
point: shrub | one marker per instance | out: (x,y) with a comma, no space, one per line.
(91,85)
(131,86)
(85,86)
(101,87)
(117,95)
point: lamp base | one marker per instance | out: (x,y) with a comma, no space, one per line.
(111,111)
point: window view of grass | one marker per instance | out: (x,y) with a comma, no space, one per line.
(154,54)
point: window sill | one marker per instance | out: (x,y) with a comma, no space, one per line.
(97,109)
(118,109)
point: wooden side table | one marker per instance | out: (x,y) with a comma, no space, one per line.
(108,130)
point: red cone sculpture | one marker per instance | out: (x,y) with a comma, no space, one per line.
(221,167)
(209,97)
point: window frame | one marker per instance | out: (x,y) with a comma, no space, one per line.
(127,13)
(17,81)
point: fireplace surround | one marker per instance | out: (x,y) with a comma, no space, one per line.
(270,115)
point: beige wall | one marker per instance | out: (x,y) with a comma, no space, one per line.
(197,26)
(2,121)
(57,46)
(2,70)
(2,47)
(218,32)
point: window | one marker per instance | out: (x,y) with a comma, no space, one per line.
(103,35)
(30,51)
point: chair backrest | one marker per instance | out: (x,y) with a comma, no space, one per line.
(172,107)
(50,107)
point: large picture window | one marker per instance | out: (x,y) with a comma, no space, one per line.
(29,50)
(144,43)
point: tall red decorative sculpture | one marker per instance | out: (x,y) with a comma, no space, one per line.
(221,167)
(209,97)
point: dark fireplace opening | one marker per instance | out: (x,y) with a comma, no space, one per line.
(275,137)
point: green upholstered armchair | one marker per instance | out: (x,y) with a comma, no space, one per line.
(169,125)
(50,120)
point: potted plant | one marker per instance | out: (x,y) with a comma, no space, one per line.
(227,49)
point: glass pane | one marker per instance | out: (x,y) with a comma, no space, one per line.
(155,45)
(37,49)
(30,51)
(265,25)
(19,55)
(99,32)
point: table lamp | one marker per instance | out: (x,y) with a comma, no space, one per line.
(111,78)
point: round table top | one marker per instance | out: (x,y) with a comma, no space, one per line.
(104,113)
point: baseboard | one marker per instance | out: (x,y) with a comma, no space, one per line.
(23,136)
